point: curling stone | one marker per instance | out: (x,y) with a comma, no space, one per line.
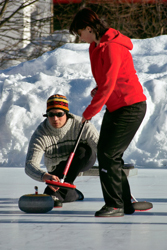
(36,203)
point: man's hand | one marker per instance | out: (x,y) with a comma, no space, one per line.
(51,177)
(83,119)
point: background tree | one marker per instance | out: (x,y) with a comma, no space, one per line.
(22,22)
(134,18)
(28,28)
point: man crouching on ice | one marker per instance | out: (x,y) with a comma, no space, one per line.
(55,138)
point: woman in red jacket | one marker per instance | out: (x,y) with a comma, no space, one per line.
(118,88)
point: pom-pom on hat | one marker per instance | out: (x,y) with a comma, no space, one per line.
(57,102)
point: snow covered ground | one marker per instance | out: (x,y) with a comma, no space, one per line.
(25,88)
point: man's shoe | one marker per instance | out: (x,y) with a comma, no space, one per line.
(57,202)
(106,211)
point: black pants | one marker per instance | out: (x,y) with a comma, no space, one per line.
(117,130)
(83,160)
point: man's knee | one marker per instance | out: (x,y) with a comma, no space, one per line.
(88,156)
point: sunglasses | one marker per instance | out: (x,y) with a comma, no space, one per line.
(58,114)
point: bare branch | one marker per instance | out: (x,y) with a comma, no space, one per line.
(22,6)
(3,8)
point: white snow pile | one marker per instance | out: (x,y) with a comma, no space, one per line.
(25,88)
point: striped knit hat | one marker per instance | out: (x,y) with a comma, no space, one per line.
(57,102)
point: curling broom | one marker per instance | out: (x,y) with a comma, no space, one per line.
(61,183)
(141,205)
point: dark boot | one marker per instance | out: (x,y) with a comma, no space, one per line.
(107,211)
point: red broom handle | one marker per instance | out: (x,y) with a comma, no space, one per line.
(68,164)
(73,152)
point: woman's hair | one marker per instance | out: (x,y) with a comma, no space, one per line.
(87,17)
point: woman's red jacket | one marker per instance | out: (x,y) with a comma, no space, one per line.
(115,75)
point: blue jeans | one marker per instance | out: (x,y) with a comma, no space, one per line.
(117,131)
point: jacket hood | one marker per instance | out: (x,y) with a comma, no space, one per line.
(114,36)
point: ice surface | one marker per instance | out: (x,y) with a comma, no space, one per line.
(74,226)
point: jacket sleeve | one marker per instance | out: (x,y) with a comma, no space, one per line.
(34,157)
(111,61)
